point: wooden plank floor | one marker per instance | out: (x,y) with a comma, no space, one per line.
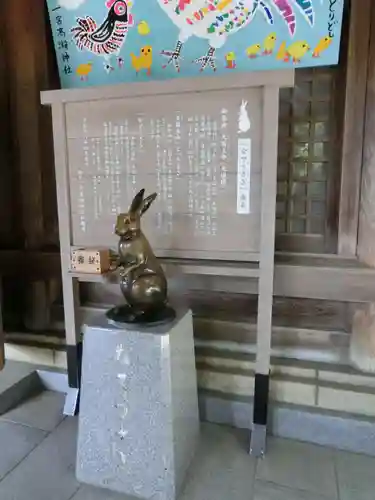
(38,447)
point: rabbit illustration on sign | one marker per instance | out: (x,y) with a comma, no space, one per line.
(243,119)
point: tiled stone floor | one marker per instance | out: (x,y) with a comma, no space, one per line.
(37,462)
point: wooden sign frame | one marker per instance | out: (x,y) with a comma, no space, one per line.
(259,265)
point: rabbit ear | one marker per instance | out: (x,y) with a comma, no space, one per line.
(137,202)
(147,202)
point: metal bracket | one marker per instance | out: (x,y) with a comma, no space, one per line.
(74,359)
(71,402)
(259,428)
(258,440)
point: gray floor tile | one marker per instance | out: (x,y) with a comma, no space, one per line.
(90,493)
(299,465)
(43,411)
(48,472)
(355,473)
(222,468)
(271,491)
(13,372)
(348,494)
(16,442)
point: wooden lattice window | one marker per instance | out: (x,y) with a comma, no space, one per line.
(307,161)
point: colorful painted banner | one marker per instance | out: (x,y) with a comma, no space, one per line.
(110,41)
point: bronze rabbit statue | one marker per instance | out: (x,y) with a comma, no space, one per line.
(143,282)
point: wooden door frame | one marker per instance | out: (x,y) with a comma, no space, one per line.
(353,101)
(2,96)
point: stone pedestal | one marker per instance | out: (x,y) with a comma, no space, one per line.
(138,421)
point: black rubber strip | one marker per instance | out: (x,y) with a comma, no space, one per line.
(261,399)
(74,362)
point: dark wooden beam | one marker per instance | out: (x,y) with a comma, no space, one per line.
(353,284)
(366,233)
(30,264)
(312,277)
(353,125)
(323,277)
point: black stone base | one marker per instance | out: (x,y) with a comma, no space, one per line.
(125,315)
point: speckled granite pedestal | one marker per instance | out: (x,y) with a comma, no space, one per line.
(138,422)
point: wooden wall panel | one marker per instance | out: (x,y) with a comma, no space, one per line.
(47,78)
(22,47)
(28,68)
(8,233)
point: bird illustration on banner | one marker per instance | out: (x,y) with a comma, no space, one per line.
(216,20)
(108,38)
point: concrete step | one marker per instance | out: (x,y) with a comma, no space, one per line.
(316,385)
(302,423)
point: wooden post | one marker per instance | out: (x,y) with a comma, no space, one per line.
(70,284)
(366,234)
(266,265)
(352,134)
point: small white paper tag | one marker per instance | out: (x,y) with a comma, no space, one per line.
(243,176)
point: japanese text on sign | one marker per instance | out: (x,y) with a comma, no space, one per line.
(243,176)
(62,43)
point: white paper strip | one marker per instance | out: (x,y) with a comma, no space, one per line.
(243,176)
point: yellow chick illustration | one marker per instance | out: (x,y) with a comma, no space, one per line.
(281,53)
(269,44)
(295,51)
(323,44)
(143,61)
(83,71)
(231,60)
(143,28)
(253,50)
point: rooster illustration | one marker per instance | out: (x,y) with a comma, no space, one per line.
(215,20)
(107,39)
